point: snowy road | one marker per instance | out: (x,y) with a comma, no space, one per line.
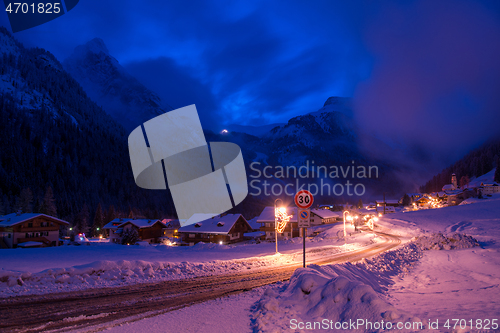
(71,310)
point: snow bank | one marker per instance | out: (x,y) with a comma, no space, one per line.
(348,293)
(337,293)
(316,294)
(438,241)
(112,273)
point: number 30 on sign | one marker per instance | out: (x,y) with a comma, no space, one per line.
(304,199)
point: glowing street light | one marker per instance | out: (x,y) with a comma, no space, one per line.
(349,218)
(280,220)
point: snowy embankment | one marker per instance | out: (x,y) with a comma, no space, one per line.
(352,295)
(73,268)
(453,260)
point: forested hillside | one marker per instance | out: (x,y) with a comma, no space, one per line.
(53,137)
(476,163)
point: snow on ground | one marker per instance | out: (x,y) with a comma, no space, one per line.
(71,268)
(229,314)
(450,270)
(459,284)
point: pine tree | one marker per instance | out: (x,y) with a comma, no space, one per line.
(497,171)
(82,220)
(98,221)
(48,206)
(406,200)
(130,236)
(110,215)
(360,204)
(26,201)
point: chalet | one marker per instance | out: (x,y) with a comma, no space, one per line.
(324,216)
(111,228)
(17,229)
(224,229)
(266,219)
(390,206)
(422,201)
(455,197)
(148,230)
(388,203)
(489,188)
(171,227)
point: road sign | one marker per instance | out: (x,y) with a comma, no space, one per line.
(304,218)
(304,199)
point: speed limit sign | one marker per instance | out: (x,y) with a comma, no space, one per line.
(304,199)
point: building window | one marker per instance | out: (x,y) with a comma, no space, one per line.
(30,225)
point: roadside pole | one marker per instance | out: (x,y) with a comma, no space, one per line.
(304,231)
(304,200)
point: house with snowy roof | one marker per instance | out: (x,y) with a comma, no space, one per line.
(171,227)
(266,220)
(29,230)
(225,229)
(489,188)
(149,230)
(324,216)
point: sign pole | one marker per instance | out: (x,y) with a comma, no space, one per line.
(304,230)
(303,200)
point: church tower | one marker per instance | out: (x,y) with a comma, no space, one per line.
(454,181)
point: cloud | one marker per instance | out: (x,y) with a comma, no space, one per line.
(436,76)
(176,87)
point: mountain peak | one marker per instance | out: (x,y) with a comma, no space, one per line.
(96,46)
(336,100)
(105,81)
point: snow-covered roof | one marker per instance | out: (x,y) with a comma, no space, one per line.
(171,223)
(326,213)
(139,223)
(254,224)
(143,223)
(114,224)
(255,234)
(14,218)
(215,225)
(198,217)
(448,187)
(267,214)
(30,244)
(454,192)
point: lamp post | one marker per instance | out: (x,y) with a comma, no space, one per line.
(280,220)
(350,219)
(276,222)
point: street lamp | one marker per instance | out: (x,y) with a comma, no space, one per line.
(349,218)
(280,220)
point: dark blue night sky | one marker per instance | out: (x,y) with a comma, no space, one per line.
(420,72)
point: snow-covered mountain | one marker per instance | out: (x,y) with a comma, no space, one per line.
(107,83)
(252,130)
(53,134)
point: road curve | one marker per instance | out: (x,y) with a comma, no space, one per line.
(77,310)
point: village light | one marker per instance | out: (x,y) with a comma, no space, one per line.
(220,242)
(280,220)
(348,217)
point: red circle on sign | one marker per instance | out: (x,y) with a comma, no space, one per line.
(304,199)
